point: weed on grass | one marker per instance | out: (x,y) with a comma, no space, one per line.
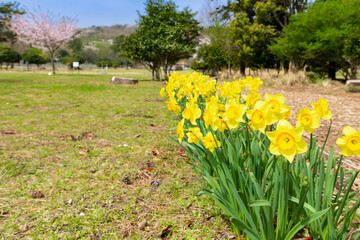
(67,145)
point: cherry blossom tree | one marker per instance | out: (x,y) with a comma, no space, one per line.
(44,30)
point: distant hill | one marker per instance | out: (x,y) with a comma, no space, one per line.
(106,32)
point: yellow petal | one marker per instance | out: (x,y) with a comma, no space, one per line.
(289,155)
(346,152)
(272,135)
(323,102)
(274,149)
(280,98)
(267,97)
(301,146)
(327,115)
(258,104)
(197,113)
(249,113)
(341,141)
(315,123)
(271,118)
(297,133)
(357,153)
(348,130)
(283,125)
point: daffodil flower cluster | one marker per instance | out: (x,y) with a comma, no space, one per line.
(236,137)
(207,110)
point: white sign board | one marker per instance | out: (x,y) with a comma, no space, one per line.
(76,64)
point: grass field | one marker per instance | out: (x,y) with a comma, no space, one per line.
(75,162)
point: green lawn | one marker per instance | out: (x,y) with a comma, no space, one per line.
(67,142)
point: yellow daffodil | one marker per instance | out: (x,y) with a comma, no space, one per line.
(192,112)
(173,106)
(162,92)
(211,114)
(234,113)
(180,129)
(225,90)
(286,140)
(254,84)
(194,135)
(241,84)
(222,126)
(287,114)
(350,143)
(210,142)
(257,116)
(277,108)
(321,107)
(251,99)
(308,119)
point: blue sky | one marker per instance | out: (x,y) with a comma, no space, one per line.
(102,12)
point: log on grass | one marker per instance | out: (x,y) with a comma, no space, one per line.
(119,80)
(353,83)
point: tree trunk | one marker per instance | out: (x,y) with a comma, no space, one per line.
(229,66)
(153,74)
(332,71)
(292,66)
(52,61)
(242,69)
(165,66)
(353,70)
(166,77)
(158,75)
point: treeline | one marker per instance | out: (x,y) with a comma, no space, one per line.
(323,37)
(99,52)
(94,45)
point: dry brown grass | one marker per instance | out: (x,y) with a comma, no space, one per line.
(269,76)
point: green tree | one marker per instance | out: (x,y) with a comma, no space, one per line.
(8,55)
(61,53)
(275,13)
(91,55)
(352,50)
(7,12)
(325,44)
(118,41)
(76,45)
(169,35)
(119,58)
(35,56)
(250,39)
(260,15)
(222,34)
(210,58)
(140,48)
(77,52)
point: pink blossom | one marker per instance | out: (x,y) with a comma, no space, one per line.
(43,30)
